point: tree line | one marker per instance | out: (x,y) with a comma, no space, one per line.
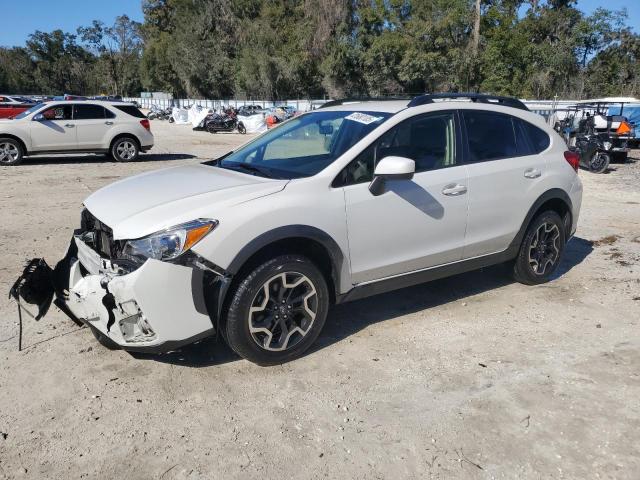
(278,49)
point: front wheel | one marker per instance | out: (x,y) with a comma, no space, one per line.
(277,311)
(599,162)
(541,249)
(10,152)
(125,149)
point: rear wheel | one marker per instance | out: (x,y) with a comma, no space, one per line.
(277,311)
(125,149)
(241,128)
(10,151)
(541,249)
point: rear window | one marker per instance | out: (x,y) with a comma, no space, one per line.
(131,110)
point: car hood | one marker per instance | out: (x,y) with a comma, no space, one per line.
(146,203)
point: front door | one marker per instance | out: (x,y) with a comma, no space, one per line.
(417,223)
(55,130)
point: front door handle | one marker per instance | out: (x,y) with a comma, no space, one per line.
(532,173)
(454,190)
(69,125)
(108,123)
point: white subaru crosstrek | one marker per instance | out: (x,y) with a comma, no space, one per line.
(350,200)
(85,126)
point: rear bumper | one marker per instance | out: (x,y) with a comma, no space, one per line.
(576,201)
(156,308)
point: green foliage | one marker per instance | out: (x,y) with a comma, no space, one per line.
(312,48)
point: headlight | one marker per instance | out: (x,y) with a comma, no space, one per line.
(607,145)
(168,244)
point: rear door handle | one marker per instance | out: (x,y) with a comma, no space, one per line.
(532,173)
(69,125)
(108,123)
(454,190)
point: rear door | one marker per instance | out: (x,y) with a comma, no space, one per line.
(507,169)
(55,130)
(417,223)
(93,123)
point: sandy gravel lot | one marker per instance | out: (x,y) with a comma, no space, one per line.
(469,377)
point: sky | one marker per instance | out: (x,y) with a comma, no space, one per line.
(23,17)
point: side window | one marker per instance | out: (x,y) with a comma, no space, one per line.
(59,112)
(109,114)
(429,140)
(88,112)
(538,138)
(491,136)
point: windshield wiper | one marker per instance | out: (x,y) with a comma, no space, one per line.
(265,172)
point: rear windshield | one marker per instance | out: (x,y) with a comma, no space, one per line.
(131,110)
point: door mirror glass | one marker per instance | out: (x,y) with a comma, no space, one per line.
(391,168)
(38,117)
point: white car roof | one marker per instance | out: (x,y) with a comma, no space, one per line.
(390,106)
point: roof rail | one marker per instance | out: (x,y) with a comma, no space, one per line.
(474,97)
(343,101)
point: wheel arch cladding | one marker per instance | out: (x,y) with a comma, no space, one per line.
(306,240)
(23,146)
(555,199)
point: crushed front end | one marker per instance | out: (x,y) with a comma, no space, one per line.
(145,304)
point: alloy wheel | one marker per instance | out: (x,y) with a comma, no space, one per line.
(8,152)
(544,249)
(126,150)
(283,311)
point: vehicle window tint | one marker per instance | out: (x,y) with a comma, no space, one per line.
(429,140)
(88,112)
(131,110)
(538,138)
(109,114)
(523,144)
(490,135)
(59,112)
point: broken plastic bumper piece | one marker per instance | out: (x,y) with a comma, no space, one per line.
(157,307)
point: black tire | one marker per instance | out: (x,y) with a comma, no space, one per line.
(599,162)
(537,261)
(241,128)
(303,316)
(11,152)
(103,340)
(125,149)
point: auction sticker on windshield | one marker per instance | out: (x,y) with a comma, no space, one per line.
(362,118)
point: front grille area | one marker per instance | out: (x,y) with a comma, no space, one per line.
(97,235)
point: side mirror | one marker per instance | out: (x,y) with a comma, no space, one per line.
(391,168)
(38,117)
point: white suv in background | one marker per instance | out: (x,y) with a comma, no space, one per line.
(114,128)
(350,200)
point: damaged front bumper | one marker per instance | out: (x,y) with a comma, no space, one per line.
(156,308)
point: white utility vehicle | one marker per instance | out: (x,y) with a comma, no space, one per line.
(83,126)
(350,200)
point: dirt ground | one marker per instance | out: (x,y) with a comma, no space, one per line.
(468,377)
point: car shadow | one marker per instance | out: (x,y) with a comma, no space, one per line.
(101,158)
(349,318)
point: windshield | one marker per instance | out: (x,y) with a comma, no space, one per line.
(29,111)
(303,146)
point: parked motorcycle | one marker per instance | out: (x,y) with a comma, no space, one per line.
(227,122)
(160,113)
(594,152)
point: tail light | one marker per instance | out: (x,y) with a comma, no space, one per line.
(146,124)
(573,158)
